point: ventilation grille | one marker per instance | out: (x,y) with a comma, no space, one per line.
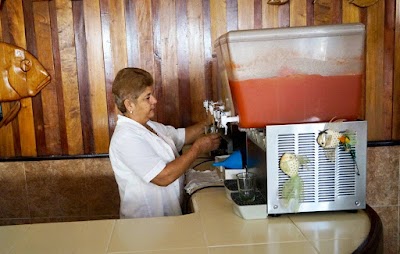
(324,179)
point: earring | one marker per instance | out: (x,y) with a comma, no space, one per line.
(130,111)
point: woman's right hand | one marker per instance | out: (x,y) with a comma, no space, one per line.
(207,143)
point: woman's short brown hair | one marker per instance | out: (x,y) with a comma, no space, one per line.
(129,84)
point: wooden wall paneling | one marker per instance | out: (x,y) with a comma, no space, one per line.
(48,94)
(231,15)
(114,46)
(374,72)
(131,33)
(182,16)
(388,66)
(6,132)
(351,14)
(218,18)
(69,80)
(169,63)
(258,14)
(25,116)
(36,100)
(298,13)
(57,79)
(97,84)
(145,36)
(396,78)
(158,89)
(210,83)
(327,12)
(217,28)
(245,14)
(6,136)
(83,77)
(196,59)
(270,15)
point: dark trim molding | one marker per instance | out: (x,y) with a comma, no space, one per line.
(55,157)
(383,143)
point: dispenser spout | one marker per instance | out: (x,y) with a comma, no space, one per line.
(225,119)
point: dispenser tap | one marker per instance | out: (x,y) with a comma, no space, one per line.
(226,118)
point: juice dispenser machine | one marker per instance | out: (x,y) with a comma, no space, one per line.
(283,87)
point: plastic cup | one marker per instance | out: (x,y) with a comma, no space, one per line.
(246,182)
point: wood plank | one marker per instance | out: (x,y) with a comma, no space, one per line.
(57,79)
(25,116)
(396,78)
(327,12)
(69,76)
(158,89)
(245,14)
(115,54)
(145,36)
(36,100)
(257,14)
(217,28)
(96,76)
(351,14)
(183,61)
(170,85)
(131,33)
(6,136)
(218,18)
(270,17)
(375,113)
(6,132)
(196,60)
(49,93)
(298,13)
(83,77)
(388,66)
(210,86)
(232,15)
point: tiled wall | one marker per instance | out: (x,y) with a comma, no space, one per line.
(383,193)
(57,190)
(85,189)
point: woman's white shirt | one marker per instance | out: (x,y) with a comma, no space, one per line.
(137,156)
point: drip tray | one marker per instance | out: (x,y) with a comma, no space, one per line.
(251,210)
(230,188)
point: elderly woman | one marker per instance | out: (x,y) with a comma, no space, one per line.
(145,154)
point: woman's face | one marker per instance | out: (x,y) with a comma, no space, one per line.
(143,107)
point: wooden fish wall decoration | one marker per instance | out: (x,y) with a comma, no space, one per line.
(22,76)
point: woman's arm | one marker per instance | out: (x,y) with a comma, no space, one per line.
(194,131)
(178,167)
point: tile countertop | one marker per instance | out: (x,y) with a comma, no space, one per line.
(212,229)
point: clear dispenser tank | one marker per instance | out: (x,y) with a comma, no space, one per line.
(292,75)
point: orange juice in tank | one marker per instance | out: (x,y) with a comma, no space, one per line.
(292,75)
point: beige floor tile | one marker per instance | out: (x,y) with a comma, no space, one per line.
(172,251)
(231,230)
(73,237)
(273,248)
(337,246)
(327,226)
(11,236)
(160,233)
(213,201)
(223,227)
